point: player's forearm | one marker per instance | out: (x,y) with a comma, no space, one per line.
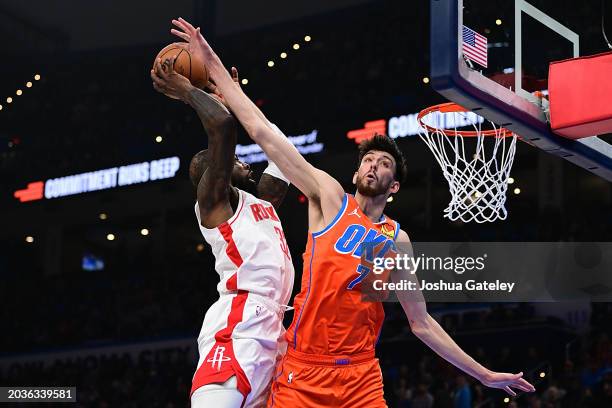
(434,336)
(213,115)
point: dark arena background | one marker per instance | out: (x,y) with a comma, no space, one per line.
(106,290)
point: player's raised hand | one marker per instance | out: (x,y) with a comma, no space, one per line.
(168,81)
(200,47)
(506,382)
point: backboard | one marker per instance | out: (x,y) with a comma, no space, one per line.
(490,56)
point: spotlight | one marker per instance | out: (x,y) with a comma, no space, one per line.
(144,232)
(517,191)
(270,63)
(9,100)
(506,400)
(28,84)
(200,247)
(159,139)
(29,239)
(389,199)
(244,81)
(19,92)
(0,107)
(110,237)
(103,216)
(425,80)
(37,77)
(283,55)
(307,38)
(498,22)
(296,46)
(510,180)
(542,374)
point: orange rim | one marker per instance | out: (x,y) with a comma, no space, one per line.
(453,107)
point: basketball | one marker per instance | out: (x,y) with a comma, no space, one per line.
(186,64)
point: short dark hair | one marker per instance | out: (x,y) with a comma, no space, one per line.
(388,145)
(197,167)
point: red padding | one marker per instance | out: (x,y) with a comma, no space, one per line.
(580,91)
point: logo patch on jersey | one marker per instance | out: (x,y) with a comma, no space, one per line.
(218,358)
(388,231)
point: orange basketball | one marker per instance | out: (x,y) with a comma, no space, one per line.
(186,64)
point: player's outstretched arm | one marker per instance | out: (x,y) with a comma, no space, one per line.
(309,180)
(214,186)
(433,335)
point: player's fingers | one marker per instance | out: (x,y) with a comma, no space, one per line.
(187,24)
(181,34)
(157,81)
(235,75)
(181,25)
(526,384)
(509,391)
(211,87)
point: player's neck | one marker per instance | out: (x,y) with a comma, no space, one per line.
(372,207)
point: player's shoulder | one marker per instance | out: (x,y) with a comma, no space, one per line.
(402,236)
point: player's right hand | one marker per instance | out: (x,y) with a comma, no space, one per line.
(169,82)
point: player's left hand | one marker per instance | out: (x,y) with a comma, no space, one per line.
(168,81)
(506,382)
(198,46)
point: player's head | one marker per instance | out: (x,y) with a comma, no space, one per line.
(382,167)
(242,176)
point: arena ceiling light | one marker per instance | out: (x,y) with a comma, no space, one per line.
(102,216)
(159,139)
(283,55)
(29,239)
(244,81)
(270,63)
(307,38)
(144,232)
(28,84)
(37,77)
(296,46)
(110,237)
(517,191)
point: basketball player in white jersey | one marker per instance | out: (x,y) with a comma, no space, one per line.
(242,334)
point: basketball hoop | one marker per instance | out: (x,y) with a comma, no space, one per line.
(478,182)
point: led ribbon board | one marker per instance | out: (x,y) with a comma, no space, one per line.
(97,180)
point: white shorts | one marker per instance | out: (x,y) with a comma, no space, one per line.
(242,336)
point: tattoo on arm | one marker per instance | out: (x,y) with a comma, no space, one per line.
(272,189)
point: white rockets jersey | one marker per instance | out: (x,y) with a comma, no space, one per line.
(250,250)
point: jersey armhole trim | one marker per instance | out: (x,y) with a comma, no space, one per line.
(397,230)
(336,218)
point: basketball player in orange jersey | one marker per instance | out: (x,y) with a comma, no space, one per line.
(242,335)
(330,360)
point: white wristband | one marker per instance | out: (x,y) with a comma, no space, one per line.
(274,171)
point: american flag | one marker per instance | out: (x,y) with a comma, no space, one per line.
(475,46)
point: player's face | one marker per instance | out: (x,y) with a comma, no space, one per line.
(242,176)
(375,175)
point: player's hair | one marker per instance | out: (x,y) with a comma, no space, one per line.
(388,145)
(197,167)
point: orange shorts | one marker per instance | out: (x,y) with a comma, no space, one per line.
(308,381)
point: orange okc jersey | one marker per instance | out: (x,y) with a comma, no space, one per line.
(330,317)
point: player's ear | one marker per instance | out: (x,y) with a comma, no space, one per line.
(355,178)
(394,187)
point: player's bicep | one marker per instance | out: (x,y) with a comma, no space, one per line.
(412,301)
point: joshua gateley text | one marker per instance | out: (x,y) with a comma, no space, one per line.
(470,285)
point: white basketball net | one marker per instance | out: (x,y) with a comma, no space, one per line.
(478,181)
